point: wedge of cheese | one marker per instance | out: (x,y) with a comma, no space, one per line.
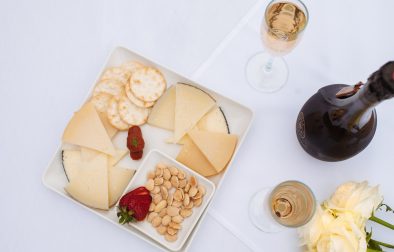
(193,158)
(86,129)
(88,154)
(118,179)
(217,148)
(111,130)
(191,104)
(71,163)
(90,185)
(162,114)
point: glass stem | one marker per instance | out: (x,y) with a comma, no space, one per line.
(268,65)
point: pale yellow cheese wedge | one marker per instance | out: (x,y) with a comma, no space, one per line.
(71,163)
(118,179)
(88,154)
(218,148)
(193,158)
(111,130)
(191,104)
(86,129)
(162,114)
(90,185)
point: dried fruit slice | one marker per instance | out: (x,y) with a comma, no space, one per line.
(130,113)
(147,84)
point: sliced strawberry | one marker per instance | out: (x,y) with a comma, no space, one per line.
(135,141)
(134,205)
(136,155)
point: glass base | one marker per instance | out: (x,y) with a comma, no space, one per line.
(265,79)
(259,212)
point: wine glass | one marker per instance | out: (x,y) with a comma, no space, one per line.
(289,204)
(281,30)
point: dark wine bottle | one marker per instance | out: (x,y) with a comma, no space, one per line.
(339,121)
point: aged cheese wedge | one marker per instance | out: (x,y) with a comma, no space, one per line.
(191,104)
(193,158)
(162,114)
(71,163)
(218,148)
(86,129)
(90,185)
(111,130)
(88,154)
(118,179)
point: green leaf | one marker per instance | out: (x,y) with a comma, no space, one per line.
(373,245)
(135,142)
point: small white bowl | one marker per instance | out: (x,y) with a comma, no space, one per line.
(140,178)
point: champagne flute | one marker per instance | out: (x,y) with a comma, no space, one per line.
(289,204)
(281,30)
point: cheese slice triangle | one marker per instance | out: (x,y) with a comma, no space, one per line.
(193,158)
(191,105)
(218,148)
(162,114)
(118,179)
(86,129)
(88,154)
(71,163)
(90,185)
(111,130)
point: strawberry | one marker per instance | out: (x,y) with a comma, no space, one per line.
(136,155)
(134,205)
(135,141)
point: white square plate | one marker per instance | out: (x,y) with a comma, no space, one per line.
(238,116)
(140,178)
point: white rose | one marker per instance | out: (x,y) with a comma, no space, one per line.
(359,198)
(326,232)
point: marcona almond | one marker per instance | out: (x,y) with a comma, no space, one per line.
(156,190)
(174,225)
(151,175)
(170,238)
(172,231)
(166,174)
(198,195)
(181,174)
(150,185)
(162,204)
(151,216)
(177,219)
(157,198)
(159,181)
(172,211)
(187,187)
(174,171)
(164,192)
(161,166)
(152,207)
(193,181)
(167,184)
(159,172)
(170,199)
(186,199)
(166,220)
(193,191)
(190,205)
(178,195)
(201,189)
(174,181)
(182,183)
(176,203)
(161,230)
(156,221)
(163,212)
(197,202)
(186,212)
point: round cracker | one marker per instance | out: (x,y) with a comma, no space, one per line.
(116,73)
(112,87)
(132,66)
(147,84)
(114,116)
(131,113)
(101,101)
(135,100)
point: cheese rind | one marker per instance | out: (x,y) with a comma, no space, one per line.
(193,158)
(162,114)
(71,163)
(218,148)
(118,179)
(191,104)
(86,129)
(90,185)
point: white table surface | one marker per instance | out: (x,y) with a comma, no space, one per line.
(51,52)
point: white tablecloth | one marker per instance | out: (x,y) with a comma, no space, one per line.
(51,51)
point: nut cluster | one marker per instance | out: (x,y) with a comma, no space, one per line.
(174,196)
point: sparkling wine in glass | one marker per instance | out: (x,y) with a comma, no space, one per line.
(289,204)
(281,30)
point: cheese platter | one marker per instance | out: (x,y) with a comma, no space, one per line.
(134,107)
